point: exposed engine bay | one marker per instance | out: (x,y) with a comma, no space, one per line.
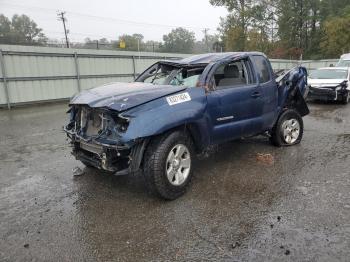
(94,137)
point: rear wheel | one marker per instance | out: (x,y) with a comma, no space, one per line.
(168,165)
(288,130)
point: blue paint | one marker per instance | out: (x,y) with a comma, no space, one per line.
(213,116)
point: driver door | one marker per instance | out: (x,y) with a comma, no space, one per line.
(236,105)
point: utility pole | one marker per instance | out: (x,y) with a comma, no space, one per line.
(138,45)
(205,31)
(61,17)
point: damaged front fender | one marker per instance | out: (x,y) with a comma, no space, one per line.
(159,116)
(292,88)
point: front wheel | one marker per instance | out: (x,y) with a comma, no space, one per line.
(168,165)
(288,130)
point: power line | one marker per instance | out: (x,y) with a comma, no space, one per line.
(80,34)
(136,23)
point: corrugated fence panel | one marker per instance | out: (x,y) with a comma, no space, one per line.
(38,66)
(142,64)
(42,73)
(2,94)
(2,90)
(279,64)
(43,90)
(94,82)
(104,66)
(319,63)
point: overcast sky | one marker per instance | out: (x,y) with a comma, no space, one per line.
(111,18)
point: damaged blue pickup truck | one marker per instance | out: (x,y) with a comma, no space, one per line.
(177,109)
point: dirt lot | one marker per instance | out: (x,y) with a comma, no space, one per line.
(242,206)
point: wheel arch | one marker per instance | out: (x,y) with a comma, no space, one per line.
(200,141)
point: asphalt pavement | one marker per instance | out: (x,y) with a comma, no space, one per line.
(249,201)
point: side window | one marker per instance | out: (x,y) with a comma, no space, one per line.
(232,75)
(262,67)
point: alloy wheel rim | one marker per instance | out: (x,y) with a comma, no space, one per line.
(178,165)
(291,130)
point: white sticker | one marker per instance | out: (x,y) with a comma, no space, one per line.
(179,98)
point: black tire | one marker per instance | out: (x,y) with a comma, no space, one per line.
(155,163)
(277,134)
(346,98)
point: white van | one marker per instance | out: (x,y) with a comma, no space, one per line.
(344,61)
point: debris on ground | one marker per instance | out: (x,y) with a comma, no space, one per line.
(267,159)
(278,218)
(287,252)
(236,244)
(77,171)
(26,245)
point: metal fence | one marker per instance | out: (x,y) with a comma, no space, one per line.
(36,74)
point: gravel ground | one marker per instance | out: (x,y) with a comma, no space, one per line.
(292,206)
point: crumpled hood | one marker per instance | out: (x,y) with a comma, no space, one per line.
(123,96)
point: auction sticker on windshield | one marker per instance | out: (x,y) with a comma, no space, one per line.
(179,98)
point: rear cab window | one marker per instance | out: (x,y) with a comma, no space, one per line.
(233,74)
(263,68)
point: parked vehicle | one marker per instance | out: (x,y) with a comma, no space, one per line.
(344,61)
(330,83)
(177,109)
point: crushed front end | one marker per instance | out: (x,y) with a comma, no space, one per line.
(329,92)
(94,135)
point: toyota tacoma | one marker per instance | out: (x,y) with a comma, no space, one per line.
(178,109)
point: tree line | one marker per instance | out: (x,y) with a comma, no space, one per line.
(21,29)
(311,29)
(290,29)
(178,40)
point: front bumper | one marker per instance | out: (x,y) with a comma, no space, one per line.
(118,159)
(324,93)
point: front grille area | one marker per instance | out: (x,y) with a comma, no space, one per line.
(95,135)
(322,91)
(90,147)
(93,121)
(102,157)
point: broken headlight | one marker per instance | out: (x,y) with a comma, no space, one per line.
(344,84)
(122,123)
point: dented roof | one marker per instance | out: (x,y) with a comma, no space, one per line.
(211,57)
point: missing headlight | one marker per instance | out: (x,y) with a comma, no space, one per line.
(122,123)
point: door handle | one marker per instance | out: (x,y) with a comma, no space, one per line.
(256,94)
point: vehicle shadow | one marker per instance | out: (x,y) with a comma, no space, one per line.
(228,202)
